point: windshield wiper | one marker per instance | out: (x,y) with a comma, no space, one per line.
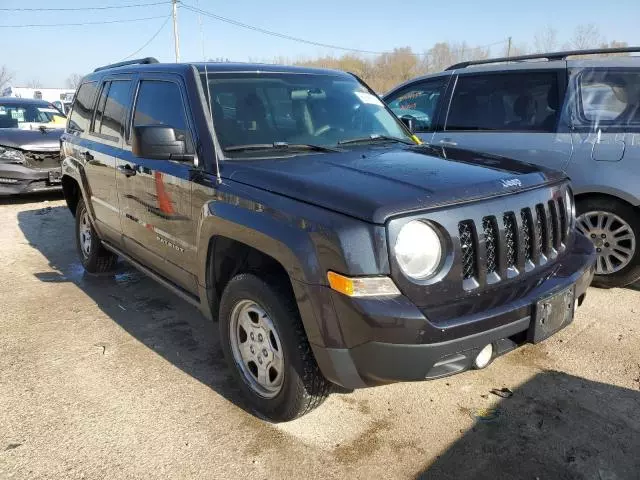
(280,146)
(376,138)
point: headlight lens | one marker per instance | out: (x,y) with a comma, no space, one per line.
(11,155)
(418,249)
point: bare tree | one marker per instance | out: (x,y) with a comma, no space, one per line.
(546,40)
(585,36)
(614,44)
(5,76)
(34,83)
(73,81)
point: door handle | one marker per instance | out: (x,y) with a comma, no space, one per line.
(87,156)
(127,170)
(448,142)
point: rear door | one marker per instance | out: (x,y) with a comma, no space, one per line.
(97,165)
(155,195)
(105,137)
(604,113)
(422,100)
(513,113)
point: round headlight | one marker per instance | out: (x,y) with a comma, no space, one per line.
(418,249)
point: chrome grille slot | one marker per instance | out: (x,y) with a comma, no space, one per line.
(563,220)
(466,231)
(541,230)
(510,239)
(527,234)
(491,239)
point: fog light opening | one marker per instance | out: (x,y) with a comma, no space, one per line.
(484,357)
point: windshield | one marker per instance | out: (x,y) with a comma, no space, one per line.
(29,115)
(251,109)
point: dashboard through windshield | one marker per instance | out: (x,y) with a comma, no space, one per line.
(263,109)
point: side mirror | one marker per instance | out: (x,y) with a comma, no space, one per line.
(159,142)
(409,122)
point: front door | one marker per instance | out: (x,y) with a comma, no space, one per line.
(155,195)
(514,114)
(421,100)
(604,112)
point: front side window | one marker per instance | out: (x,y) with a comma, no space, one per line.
(251,109)
(28,115)
(160,103)
(508,102)
(82,109)
(607,97)
(419,101)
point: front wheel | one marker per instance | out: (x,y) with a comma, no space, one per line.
(614,229)
(266,347)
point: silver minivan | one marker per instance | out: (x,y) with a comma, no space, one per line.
(581,116)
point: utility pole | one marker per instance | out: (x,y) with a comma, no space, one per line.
(509,49)
(176,39)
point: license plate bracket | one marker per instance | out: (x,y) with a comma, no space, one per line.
(55,176)
(552,314)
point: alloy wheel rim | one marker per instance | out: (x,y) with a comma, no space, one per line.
(257,349)
(85,234)
(613,238)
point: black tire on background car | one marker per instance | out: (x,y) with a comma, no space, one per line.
(614,228)
(94,257)
(265,345)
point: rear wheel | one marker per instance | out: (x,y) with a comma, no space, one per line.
(94,257)
(614,229)
(266,347)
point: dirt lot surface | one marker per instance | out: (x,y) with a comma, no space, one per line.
(115,377)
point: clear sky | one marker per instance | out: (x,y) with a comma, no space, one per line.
(51,54)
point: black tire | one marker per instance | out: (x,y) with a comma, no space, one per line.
(97,259)
(304,387)
(631,272)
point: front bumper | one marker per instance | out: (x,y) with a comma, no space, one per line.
(16,179)
(406,346)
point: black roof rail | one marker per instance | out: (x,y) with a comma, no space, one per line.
(138,61)
(545,56)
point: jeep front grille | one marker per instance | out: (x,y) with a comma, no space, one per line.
(522,241)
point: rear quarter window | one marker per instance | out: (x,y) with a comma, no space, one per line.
(82,109)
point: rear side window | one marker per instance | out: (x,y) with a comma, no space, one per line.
(111,109)
(82,109)
(419,101)
(510,102)
(608,97)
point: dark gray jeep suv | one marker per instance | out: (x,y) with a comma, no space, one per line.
(291,206)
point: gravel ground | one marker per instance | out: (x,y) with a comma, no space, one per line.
(115,377)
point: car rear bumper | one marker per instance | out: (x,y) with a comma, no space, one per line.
(16,179)
(384,360)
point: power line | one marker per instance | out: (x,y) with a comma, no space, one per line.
(302,40)
(153,37)
(129,20)
(275,34)
(77,9)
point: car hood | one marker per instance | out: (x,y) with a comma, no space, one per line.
(39,140)
(377,183)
